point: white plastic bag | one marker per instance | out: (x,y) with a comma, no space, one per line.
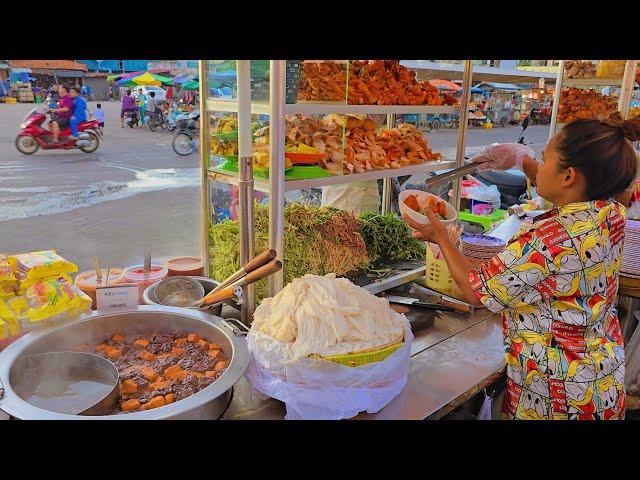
(323,390)
(485,409)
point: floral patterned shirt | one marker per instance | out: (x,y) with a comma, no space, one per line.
(555,285)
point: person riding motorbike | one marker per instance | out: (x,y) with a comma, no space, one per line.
(79,111)
(63,112)
(128,104)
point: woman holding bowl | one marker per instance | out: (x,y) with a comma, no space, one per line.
(556,282)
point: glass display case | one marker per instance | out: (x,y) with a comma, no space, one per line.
(308,127)
(590,89)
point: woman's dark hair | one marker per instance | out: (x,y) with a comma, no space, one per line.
(128,91)
(76,89)
(601,150)
(65,86)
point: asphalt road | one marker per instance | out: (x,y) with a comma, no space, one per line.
(134,193)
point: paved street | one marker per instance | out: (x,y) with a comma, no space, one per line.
(134,193)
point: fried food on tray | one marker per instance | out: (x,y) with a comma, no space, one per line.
(375,82)
(366,147)
(576,104)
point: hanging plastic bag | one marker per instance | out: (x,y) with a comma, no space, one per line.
(323,390)
(485,409)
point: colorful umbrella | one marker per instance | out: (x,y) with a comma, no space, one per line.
(191,85)
(445,85)
(146,79)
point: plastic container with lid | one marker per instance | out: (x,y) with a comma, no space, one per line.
(88,281)
(135,274)
(185,267)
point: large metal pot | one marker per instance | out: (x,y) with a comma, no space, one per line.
(92,328)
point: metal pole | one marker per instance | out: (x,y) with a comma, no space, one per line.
(627,87)
(247,238)
(276,169)
(556,100)
(462,128)
(387,190)
(205,151)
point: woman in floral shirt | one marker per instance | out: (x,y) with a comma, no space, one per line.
(556,282)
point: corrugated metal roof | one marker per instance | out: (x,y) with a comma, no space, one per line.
(500,86)
(50,64)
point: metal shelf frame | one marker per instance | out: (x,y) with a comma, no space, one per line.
(276,185)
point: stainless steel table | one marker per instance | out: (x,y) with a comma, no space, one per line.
(450,362)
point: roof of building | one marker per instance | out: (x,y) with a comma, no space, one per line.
(49,64)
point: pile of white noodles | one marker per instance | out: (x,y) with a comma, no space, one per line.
(326,315)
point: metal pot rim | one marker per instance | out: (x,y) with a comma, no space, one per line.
(15,406)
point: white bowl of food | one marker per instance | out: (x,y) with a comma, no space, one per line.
(413,204)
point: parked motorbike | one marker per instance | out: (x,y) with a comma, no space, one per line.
(156,119)
(173,114)
(185,141)
(512,184)
(131,118)
(33,136)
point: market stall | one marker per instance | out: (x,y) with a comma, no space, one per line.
(327,308)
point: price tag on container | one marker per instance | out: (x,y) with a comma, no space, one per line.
(114,297)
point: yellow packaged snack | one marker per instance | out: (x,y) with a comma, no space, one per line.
(22,285)
(8,289)
(6,272)
(5,311)
(49,298)
(41,264)
(4,330)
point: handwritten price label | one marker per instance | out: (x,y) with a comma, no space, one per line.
(117,296)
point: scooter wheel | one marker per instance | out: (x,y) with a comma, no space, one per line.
(26,145)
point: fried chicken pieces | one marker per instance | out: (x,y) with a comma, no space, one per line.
(366,148)
(376,82)
(576,104)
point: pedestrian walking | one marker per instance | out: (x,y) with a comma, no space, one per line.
(98,114)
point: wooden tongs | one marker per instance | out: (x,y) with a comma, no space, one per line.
(256,269)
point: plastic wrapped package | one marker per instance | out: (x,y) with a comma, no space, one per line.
(22,285)
(6,272)
(315,389)
(50,299)
(8,289)
(41,264)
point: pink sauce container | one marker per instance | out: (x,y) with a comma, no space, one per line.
(135,274)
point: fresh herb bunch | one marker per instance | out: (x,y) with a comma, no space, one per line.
(388,238)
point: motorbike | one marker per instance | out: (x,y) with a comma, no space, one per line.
(512,184)
(131,118)
(156,119)
(33,135)
(173,116)
(185,141)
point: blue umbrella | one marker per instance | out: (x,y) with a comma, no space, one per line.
(181,79)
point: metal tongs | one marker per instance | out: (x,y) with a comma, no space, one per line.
(452,175)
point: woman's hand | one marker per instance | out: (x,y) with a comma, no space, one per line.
(503,156)
(435,231)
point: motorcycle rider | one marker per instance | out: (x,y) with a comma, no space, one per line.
(63,112)
(128,104)
(79,111)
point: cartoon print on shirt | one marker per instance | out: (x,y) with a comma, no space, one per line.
(561,332)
